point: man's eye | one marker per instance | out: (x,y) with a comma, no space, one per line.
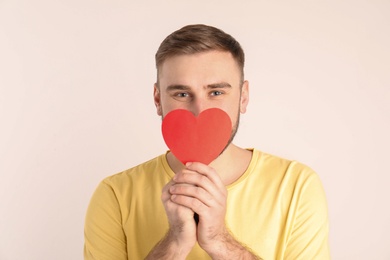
(216,93)
(182,95)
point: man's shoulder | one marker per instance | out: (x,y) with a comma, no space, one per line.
(146,171)
(274,165)
(277,175)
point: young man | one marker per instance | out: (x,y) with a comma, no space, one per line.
(251,205)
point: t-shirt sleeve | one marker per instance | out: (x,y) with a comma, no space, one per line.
(309,234)
(103,232)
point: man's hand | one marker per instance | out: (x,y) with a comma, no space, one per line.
(181,236)
(181,218)
(199,188)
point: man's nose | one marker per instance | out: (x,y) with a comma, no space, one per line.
(198,106)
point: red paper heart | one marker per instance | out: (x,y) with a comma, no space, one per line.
(196,139)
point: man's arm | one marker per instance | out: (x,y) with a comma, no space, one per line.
(230,248)
(103,232)
(309,236)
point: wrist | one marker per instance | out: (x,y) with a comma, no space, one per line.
(216,246)
(179,242)
(171,247)
(225,246)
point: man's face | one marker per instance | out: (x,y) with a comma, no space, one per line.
(200,81)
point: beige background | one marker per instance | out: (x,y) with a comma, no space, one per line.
(76,81)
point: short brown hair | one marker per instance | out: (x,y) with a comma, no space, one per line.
(198,38)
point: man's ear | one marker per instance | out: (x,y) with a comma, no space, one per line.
(244,96)
(157,99)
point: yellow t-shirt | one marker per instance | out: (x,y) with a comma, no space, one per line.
(277,208)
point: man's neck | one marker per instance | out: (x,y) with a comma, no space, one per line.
(230,165)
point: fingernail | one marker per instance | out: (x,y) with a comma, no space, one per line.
(188,164)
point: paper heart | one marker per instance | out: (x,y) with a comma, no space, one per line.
(196,139)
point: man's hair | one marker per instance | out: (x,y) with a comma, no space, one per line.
(198,38)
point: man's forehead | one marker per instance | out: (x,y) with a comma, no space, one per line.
(210,64)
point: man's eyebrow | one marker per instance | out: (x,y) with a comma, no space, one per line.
(219,85)
(210,86)
(177,87)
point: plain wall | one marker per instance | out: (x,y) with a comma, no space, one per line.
(76,80)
